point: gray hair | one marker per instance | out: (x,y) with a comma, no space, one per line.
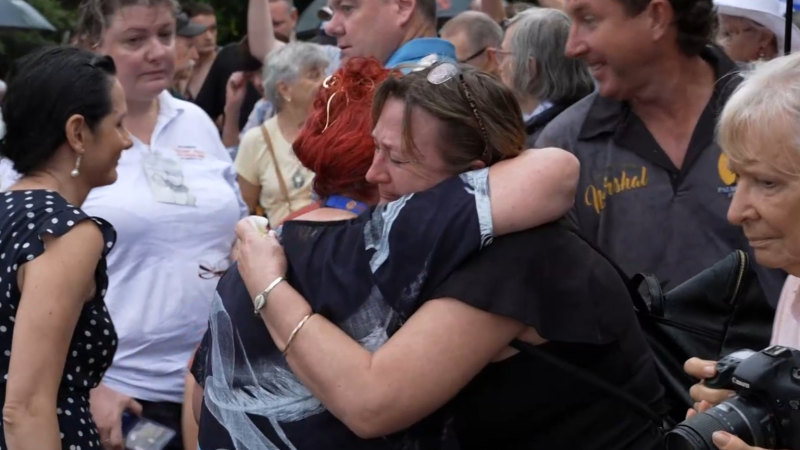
(541,34)
(481,30)
(285,64)
(767,99)
(94,17)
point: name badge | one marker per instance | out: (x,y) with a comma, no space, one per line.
(189,152)
(165,177)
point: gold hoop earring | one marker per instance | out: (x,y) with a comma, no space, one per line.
(328,112)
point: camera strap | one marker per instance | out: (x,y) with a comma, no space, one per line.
(593,380)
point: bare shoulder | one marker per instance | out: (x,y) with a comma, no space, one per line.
(326,215)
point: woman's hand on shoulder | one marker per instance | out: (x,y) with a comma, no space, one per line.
(261,257)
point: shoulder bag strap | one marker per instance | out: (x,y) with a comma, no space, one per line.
(650,328)
(281,181)
(591,379)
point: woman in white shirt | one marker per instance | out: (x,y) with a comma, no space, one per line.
(270,175)
(174,207)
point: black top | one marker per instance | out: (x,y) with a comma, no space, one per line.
(27,216)
(552,280)
(366,275)
(211,97)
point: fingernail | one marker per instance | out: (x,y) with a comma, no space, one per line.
(720,438)
(709,371)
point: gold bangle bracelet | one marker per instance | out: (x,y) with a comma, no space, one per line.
(294,332)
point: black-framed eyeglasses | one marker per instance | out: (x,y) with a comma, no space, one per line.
(473,56)
(445,72)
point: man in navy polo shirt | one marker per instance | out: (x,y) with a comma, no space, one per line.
(655,187)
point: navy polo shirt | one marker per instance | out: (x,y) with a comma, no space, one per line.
(636,205)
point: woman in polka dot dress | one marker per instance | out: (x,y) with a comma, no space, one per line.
(63,114)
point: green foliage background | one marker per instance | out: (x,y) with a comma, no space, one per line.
(231,19)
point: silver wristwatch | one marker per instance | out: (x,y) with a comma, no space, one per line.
(261,299)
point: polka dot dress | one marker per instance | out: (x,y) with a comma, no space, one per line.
(26,216)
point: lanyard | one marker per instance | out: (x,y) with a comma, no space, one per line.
(345,203)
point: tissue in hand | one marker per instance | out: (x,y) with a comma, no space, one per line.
(261,224)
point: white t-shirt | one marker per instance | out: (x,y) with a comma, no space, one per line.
(158,294)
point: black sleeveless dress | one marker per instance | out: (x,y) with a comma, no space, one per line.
(26,217)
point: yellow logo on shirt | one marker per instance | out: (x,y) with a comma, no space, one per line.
(595,196)
(725,173)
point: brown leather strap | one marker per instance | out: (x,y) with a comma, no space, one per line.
(281,181)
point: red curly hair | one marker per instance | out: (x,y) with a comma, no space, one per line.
(336,142)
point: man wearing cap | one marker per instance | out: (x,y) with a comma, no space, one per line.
(655,187)
(751,30)
(186,55)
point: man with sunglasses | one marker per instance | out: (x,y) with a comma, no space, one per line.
(476,38)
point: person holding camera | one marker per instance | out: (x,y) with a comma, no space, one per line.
(759,136)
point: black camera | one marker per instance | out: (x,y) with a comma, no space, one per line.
(765,411)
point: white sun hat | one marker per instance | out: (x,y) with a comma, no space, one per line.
(767,13)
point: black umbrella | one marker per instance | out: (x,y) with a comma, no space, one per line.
(20,15)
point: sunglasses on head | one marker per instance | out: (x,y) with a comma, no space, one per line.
(447,71)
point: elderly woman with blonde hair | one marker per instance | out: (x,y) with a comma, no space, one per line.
(270,175)
(758,132)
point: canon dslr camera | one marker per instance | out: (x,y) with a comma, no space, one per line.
(765,411)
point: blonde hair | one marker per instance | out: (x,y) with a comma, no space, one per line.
(768,98)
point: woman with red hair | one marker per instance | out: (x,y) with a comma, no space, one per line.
(335,142)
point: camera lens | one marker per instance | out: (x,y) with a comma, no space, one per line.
(737,415)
